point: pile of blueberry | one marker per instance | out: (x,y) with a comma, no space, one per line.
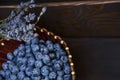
(37,60)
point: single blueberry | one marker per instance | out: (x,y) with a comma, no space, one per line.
(5,65)
(35,41)
(38,55)
(21,53)
(36,72)
(15,69)
(57,66)
(35,47)
(13,77)
(31,61)
(28,55)
(46,78)
(60,73)
(7,73)
(20,75)
(15,52)
(19,61)
(52,75)
(67,77)
(10,56)
(36,78)
(50,46)
(45,70)
(28,49)
(2,73)
(28,71)
(67,69)
(52,55)
(46,59)
(23,67)
(21,47)
(26,78)
(59,78)
(41,41)
(57,46)
(64,59)
(38,64)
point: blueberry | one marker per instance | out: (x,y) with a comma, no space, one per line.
(64,59)
(35,41)
(23,67)
(49,45)
(36,78)
(21,47)
(52,55)
(38,64)
(41,41)
(57,66)
(10,56)
(36,72)
(59,78)
(21,53)
(59,62)
(67,77)
(46,59)
(52,75)
(28,42)
(67,69)
(60,73)
(1,78)
(46,78)
(45,70)
(28,49)
(2,73)
(15,52)
(28,71)
(57,47)
(24,60)
(11,66)
(21,75)
(38,55)
(19,61)
(28,55)
(14,69)
(26,78)
(7,73)
(13,77)
(35,47)
(31,61)
(43,49)
(62,53)
(5,65)
(58,55)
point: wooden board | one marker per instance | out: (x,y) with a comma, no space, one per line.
(79,19)
(96,58)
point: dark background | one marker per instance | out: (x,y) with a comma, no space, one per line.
(92,33)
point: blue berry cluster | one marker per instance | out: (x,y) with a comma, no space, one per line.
(18,25)
(37,60)
(21,22)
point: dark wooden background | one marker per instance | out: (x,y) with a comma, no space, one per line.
(92,31)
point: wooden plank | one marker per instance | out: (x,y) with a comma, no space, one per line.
(79,19)
(96,58)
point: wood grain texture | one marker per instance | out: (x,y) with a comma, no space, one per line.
(79,19)
(96,58)
(84,20)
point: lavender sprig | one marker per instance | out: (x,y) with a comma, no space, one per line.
(20,23)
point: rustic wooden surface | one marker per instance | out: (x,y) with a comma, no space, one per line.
(92,30)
